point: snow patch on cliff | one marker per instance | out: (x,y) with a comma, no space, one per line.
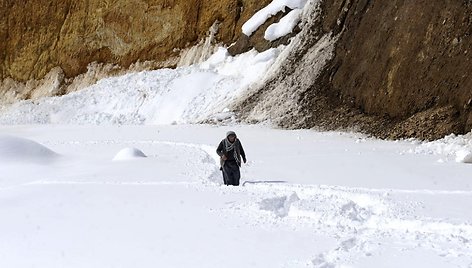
(270,10)
(284,26)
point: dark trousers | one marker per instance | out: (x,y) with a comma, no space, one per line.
(231,174)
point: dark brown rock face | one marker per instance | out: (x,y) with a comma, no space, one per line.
(408,61)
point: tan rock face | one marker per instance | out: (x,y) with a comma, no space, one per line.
(38,35)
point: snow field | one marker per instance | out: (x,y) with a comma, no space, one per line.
(170,208)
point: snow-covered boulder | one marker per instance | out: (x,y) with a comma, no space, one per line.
(464,156)
(129,154)
(24,150)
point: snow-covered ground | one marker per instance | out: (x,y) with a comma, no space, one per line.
(115,175)
(309,199)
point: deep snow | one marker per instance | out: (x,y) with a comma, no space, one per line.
(316,199)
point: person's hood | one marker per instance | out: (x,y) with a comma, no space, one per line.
(230,133)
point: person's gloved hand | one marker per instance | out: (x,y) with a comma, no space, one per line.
(244,160)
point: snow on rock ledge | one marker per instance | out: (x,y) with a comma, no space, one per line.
(284,26)
(264,14)
(129,154)
(24,150)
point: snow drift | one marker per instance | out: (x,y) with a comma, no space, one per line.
(24,150)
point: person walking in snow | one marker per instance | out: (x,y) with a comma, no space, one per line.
(231,152)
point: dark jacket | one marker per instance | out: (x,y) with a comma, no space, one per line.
(221,150)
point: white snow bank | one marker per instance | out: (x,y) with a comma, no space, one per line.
(184,95)
(284,26)
(270,10)
(453,146)
(21,149)
(129,154)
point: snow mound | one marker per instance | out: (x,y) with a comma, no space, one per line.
(464,156)
(129,154)
(21,149)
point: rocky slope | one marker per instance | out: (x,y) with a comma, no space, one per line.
(397,69)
